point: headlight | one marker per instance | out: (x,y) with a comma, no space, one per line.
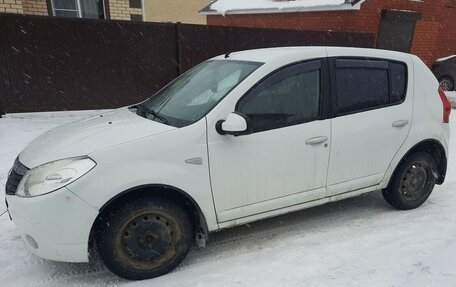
(51,176)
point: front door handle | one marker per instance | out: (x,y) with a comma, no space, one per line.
(316,140)
(400,123)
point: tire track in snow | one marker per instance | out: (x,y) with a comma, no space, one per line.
(268,232)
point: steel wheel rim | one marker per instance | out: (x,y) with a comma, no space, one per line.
(446,84)
(416,181)
(148,239)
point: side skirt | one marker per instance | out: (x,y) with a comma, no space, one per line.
(296,207)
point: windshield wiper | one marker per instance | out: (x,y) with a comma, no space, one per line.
(156,115)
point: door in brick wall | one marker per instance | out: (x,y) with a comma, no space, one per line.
(396,30)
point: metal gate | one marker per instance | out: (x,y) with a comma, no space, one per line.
(396,30)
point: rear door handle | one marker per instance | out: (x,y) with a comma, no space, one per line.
(400,123)
(316,140)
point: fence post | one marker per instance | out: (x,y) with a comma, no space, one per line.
(2,111)
(178,48)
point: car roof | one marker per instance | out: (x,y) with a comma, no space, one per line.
(269,54)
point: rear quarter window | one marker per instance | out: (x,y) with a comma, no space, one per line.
(398,75)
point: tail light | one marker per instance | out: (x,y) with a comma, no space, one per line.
(446,106)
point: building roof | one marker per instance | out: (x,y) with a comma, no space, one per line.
(223,7)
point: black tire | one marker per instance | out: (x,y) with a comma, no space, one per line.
(144,238)
(412,182)
(446,83)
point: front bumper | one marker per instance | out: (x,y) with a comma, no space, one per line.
(54,226)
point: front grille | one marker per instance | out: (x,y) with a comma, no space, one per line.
(17,173)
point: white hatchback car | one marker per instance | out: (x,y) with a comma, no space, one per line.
(238,138)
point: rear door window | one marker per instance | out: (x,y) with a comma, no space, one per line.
(368,84)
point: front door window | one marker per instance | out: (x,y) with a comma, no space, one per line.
(288,97)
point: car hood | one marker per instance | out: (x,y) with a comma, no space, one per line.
(88,136)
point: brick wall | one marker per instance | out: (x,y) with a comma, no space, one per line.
(446,40)
(183,11)
(118,9)
(11,6)
(35,7)
(435,34)
(121,10)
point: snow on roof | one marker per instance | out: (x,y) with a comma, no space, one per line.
(277,6)
(445,58)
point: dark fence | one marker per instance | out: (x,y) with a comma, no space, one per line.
(49,64)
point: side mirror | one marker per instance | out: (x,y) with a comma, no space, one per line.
(235,124)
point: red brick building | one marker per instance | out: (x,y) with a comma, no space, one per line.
(426,28)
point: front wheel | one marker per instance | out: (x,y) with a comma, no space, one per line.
(412,182)
(145,238)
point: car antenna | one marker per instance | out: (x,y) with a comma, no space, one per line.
(227,55)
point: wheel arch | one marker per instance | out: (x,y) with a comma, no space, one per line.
(447,75)
(162,191)
(436,150)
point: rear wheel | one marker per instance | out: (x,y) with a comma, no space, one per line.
(446,83)
(145,238)
(412,182)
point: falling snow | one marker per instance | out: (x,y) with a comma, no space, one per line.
(356,242)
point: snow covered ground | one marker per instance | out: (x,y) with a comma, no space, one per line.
(356,242)
(452,98)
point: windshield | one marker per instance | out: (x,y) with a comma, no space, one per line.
(192,95)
